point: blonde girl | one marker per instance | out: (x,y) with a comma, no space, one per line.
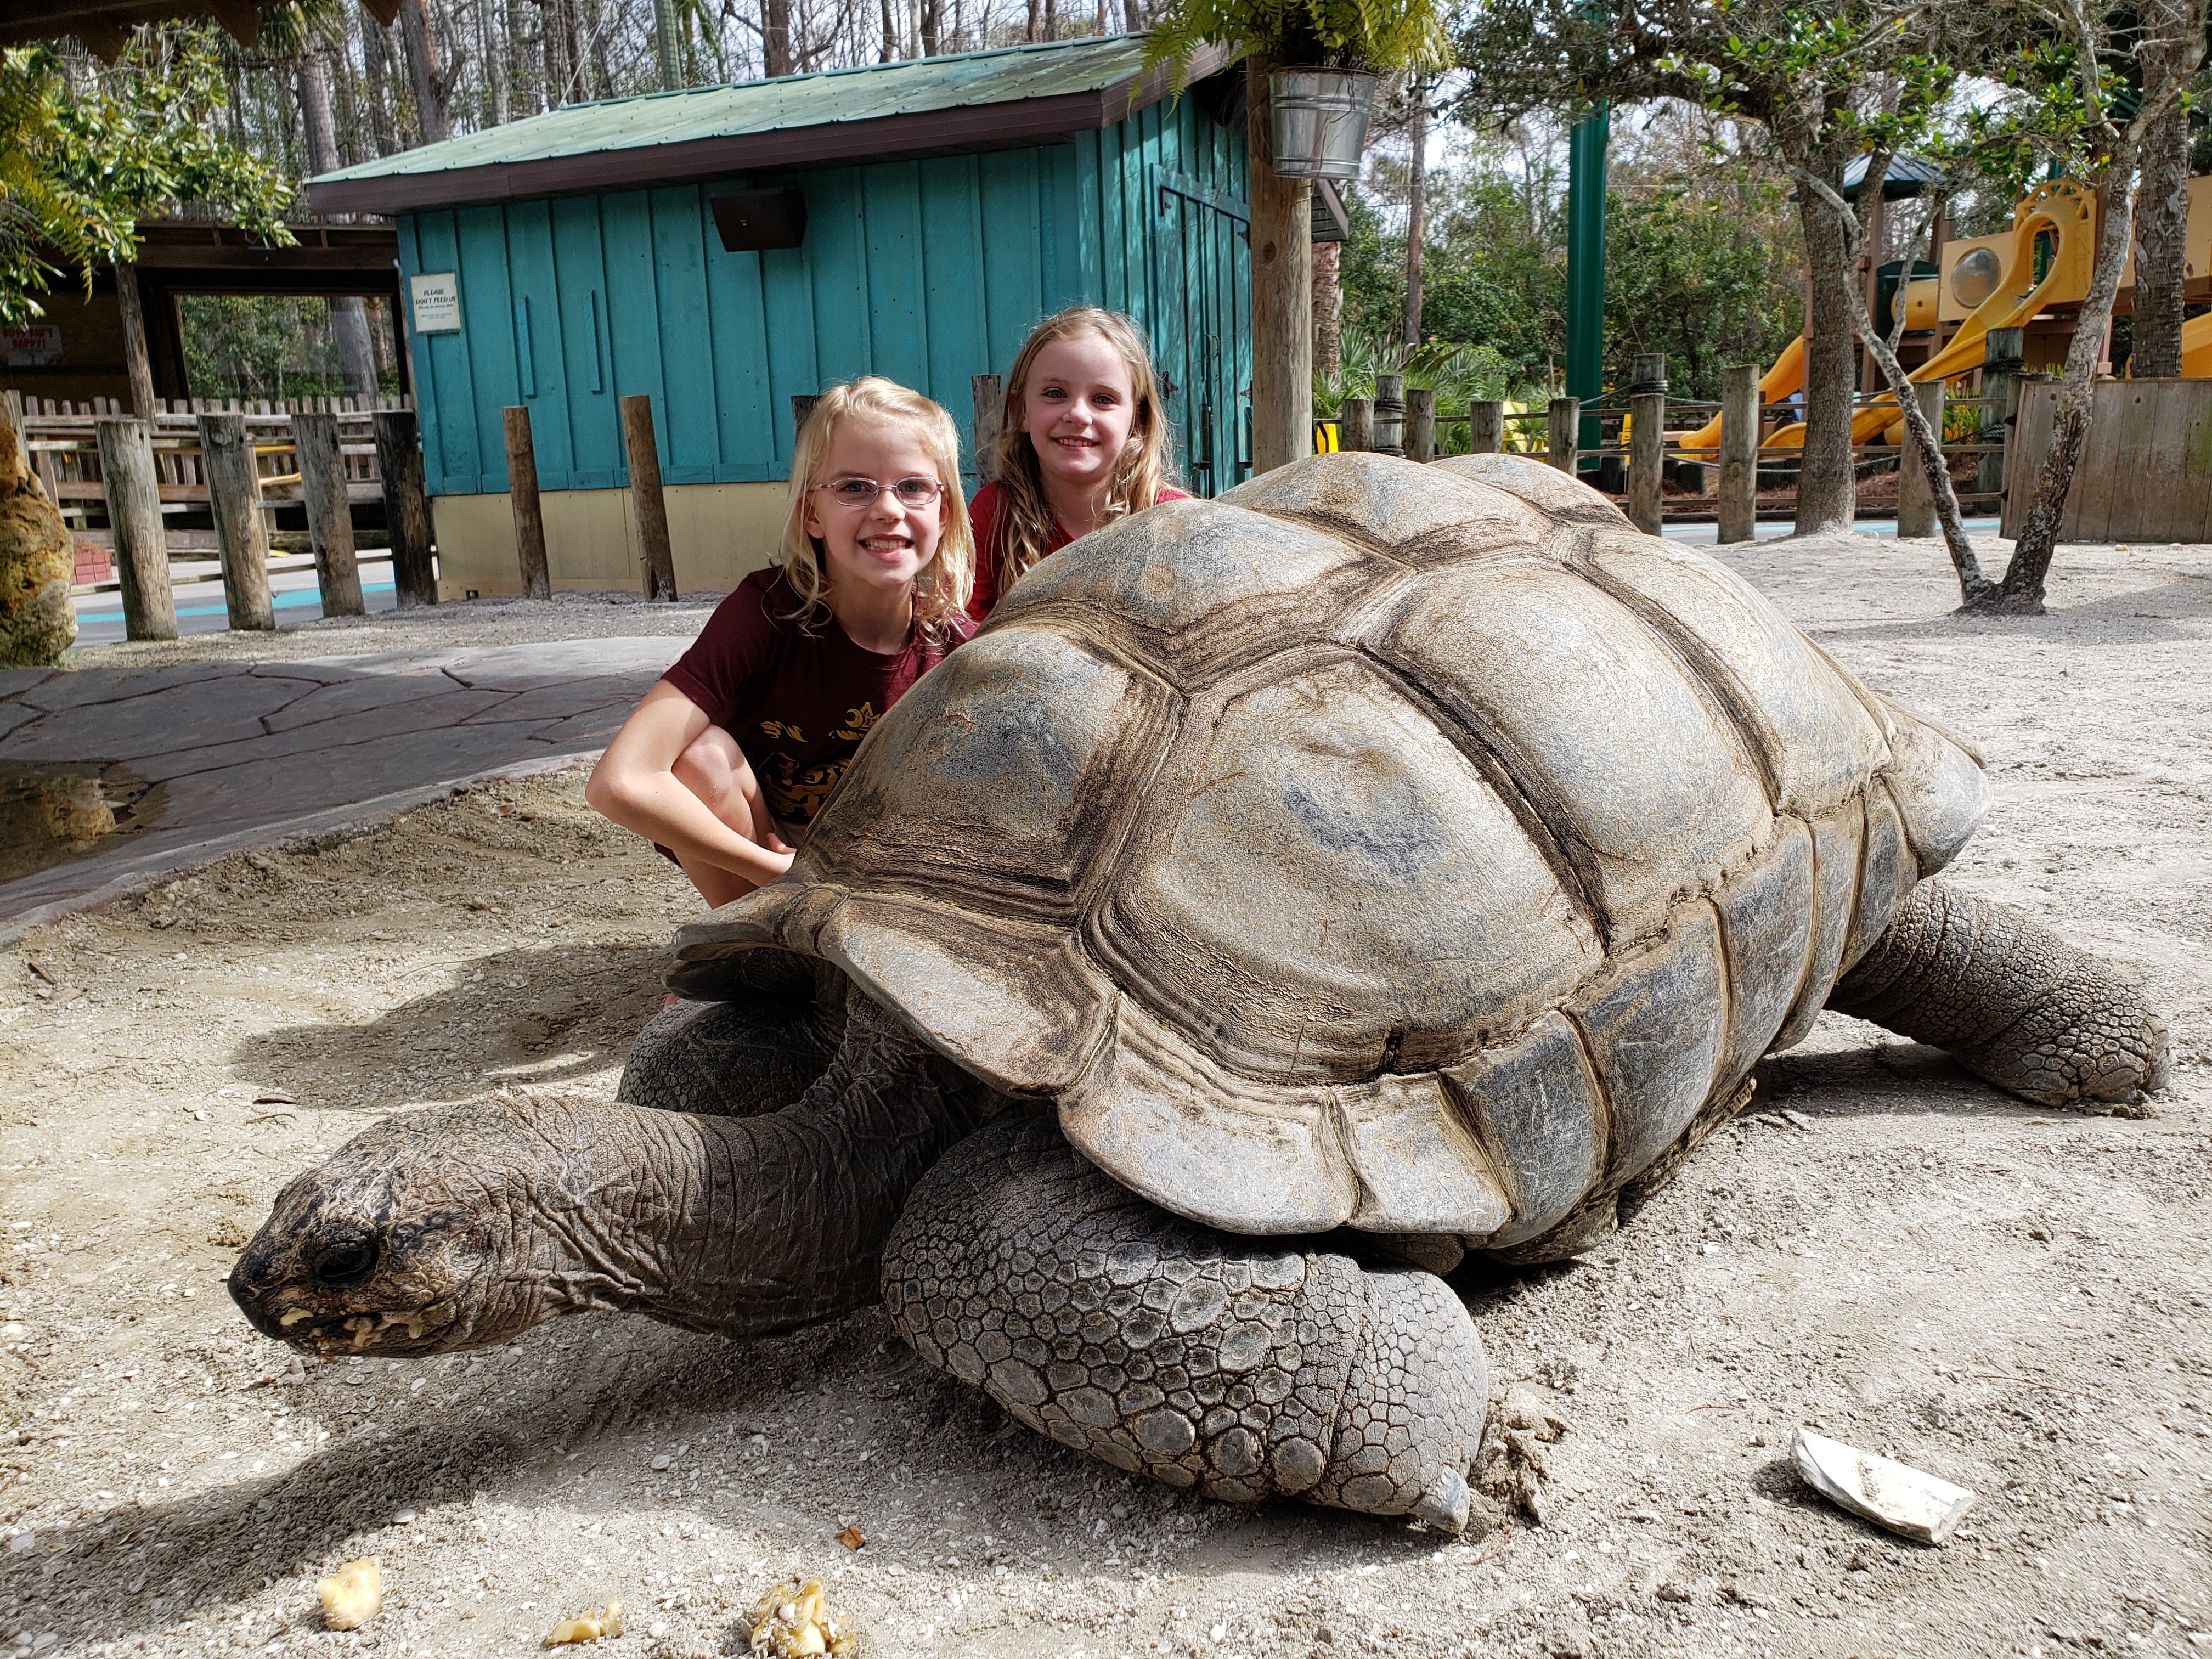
(729,757)
(1083,440)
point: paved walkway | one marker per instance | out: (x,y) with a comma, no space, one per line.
(228,756)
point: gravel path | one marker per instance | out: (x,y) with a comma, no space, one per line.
(2014,1298)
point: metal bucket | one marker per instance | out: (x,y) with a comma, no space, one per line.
(1319,119)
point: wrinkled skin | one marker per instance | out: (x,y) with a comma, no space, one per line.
(763,1198)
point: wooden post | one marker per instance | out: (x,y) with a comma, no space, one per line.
(1647,440)
(138,363)
(1916,501)
(406,506)
(1282,291)
(522,493)
(1563,432)
(1740,422)
(645,499)
(990,400)
(329,514)
(241,534)
(1485,426)
(1355,424)
(1389,434)
(2001,365)
(134,514)
(1420,424)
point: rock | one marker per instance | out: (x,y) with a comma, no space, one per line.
(1906,1500)
(37,560)
(1672,1591)
(352,1595)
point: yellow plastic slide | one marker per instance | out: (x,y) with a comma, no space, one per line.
(2197,347)
(2068,211)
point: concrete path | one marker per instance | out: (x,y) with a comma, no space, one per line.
(218,756)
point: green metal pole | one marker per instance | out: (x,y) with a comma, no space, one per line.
(1586,265)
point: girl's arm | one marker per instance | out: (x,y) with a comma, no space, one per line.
(634,784)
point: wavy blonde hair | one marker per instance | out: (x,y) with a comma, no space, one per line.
(941,590)
(1025,523)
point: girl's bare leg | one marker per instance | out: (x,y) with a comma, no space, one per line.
(715,768)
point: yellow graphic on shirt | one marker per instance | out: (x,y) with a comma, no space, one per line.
(795,791)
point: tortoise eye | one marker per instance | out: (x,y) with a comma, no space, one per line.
(346,1262)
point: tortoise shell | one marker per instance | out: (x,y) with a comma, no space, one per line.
(1414,849)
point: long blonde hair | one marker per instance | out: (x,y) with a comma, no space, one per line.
(1025,522)
(941,590)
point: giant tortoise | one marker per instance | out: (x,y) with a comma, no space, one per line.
(1283,895)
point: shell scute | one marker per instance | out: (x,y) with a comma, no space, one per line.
(1420,1168)
(1654,1028)
(1542,1114)
(1815,742)
(1415,513)
(998,788)
(1767,928)
(1191,588)
(1540,483)
(1336,889)
(1568,686)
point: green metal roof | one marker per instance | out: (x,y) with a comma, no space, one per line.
(969,100)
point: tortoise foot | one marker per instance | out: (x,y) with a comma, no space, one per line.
(1243,1368)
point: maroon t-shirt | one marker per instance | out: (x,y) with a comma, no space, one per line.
(983,517)
(798,701)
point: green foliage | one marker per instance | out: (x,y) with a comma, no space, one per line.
(1382,35)
(1457,374)
(274,346)
(86,152)
(1703,268)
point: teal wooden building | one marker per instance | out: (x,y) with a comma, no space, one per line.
(564,261)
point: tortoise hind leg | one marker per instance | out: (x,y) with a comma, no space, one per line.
(1247,1368)
(2015,1003)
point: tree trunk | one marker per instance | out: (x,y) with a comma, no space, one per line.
(931,28)
(2161,219)
(1328,309)
(491,45)
(2021,592)
(420,44)
(776,38)
(888,52)
(1030,27)
(1827,490)
(1417,192)
(376,64)
(348,316)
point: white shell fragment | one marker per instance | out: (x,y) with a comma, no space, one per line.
(1895,1495)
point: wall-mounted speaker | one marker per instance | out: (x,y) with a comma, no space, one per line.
(749,220)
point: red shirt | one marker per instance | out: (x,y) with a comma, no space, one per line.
(798,701)
(983,515)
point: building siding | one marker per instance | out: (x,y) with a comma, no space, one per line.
(929,271)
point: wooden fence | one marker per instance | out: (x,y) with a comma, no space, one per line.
(63,447)
(2146,472)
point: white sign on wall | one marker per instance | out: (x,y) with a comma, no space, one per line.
(436,296)
(34,345)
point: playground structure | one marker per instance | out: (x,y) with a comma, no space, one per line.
(2033,278)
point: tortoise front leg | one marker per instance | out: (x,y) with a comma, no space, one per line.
(2014,1002)
(1245,1367)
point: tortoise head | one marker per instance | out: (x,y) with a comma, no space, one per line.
(390,1247)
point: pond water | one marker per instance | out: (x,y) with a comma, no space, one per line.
(51,814)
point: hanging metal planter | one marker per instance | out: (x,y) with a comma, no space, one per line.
(1319,121)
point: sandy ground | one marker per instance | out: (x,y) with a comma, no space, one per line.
(2012,1297)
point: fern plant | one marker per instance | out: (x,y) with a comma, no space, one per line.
(1381,35)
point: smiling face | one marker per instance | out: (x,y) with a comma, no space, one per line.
(1078,407)
(885,544)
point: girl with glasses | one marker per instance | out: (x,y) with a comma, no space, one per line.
(1083,440)
(729,757)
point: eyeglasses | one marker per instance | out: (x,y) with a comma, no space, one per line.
(916,491)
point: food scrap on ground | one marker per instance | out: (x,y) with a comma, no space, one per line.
(1908,1501)
(794,1621)
(587,1626)
(352,1595)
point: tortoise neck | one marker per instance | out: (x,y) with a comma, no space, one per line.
(744,1226)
